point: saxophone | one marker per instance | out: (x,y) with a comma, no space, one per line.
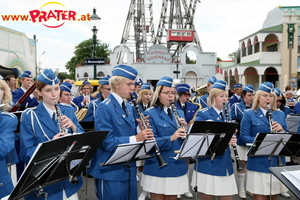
(60,125)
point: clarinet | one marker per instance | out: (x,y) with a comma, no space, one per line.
(239,166)
(160,159)
(179,125)
(60,125)
(271,120)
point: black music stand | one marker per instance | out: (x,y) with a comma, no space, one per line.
(207,138)
(279,173)
(130,152)
(275,144)
(87,125)
(57,160)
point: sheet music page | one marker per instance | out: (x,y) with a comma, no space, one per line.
(293,177)
(125,152)
(270,142)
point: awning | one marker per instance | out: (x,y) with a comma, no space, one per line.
(92,82)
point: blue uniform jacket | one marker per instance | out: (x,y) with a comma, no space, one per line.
(255,122)
(8,124)
(31,136)
(234,99)
(237,113)
(163,127)
(92,110)
(203,100)
(79,99)
(111,117)
(29,102)
(190,110)
(221,165)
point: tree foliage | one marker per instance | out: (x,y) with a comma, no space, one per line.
(232,55)
(85,50)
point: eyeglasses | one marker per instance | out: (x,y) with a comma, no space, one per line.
(106,89)
(86,88)
(187,94)
(168,93)
(280,101)
(68,95)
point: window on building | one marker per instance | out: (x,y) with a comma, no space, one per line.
(272,48)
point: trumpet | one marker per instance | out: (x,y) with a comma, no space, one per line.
(161,161)
(271,120)
(238,162)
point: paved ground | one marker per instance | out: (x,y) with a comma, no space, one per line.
(90,194)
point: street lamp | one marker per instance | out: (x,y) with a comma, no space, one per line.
(39,68)
(176,81)
(94,21)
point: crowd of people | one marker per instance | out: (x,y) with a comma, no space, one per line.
(50,112)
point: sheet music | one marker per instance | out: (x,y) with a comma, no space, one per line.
(130,150)
(293,177)
(270,142)
(192,145)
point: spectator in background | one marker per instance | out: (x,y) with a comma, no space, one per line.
(11,82)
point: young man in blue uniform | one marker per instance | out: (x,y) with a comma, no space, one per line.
(203,99)
(115,115)
(237,94)
(26,82)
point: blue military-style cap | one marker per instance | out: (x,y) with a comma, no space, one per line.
(267,87)
(48,77)
(125,71)
(212,79)
(66,87)
(165,81)
(146,86)
(26,74)
(183,87)
(238,85)
(277,92)
(138,81)
(86,82)
(104,81)
(248,88)
(220,84)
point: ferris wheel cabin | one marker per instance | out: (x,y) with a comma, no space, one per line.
(180,35)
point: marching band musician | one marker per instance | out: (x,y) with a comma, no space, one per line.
(104,91)
(237,94)
(170,180)
(145,97)
(8,124)
(137,87)
(40,124)
(189,109)
(237,113)
(116,115)
(26,82)
(215,177)
(256,121)
(65,93)
(203,99)
(85,98)
(281,102)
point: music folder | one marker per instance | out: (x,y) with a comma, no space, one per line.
(275,144)
(207,138)
(58,160)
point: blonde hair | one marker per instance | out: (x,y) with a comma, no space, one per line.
(116,80)
(141,93)
(258,93)
(213,93)
(7,97)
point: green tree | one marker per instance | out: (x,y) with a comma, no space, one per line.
(85,50)
(232,55)
(219,59)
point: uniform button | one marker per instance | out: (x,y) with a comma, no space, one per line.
(1,184)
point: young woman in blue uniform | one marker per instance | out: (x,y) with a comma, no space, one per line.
(40,124)
(8,124)
(144,97)
(237,113)
(104,90)
(170,180)
(281,102)
(215,177)
(255,121)
(85,98)
(115,115)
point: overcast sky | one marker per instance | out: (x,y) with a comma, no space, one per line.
(219,23)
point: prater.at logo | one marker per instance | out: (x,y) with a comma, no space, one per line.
(54,15)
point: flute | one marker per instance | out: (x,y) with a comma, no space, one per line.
(238,162)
